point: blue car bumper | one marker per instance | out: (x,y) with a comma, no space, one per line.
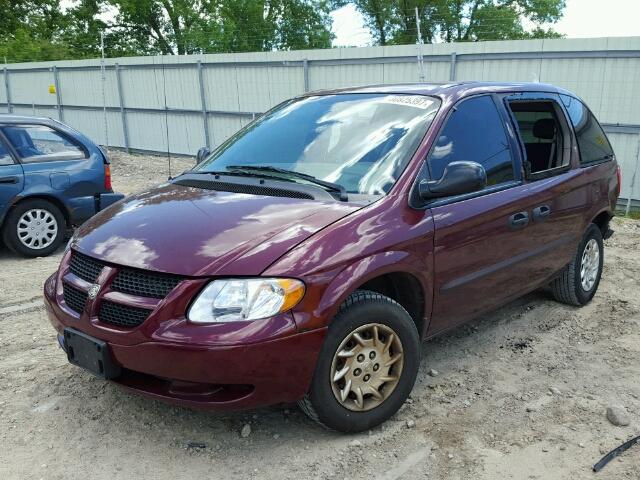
(83,208)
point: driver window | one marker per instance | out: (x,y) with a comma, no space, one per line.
(38,143)
(474,132)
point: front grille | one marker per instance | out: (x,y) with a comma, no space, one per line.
(74,298)
(144,284)
(86,268)
(122,315)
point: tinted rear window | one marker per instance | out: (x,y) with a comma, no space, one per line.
(592,141)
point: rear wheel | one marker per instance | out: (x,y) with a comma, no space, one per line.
(367,366)
(34,228)
(579,280)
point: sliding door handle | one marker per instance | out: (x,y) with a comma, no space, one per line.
(519,220)
(541,213)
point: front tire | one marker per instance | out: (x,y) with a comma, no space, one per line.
(367,366)
(34,228)
(579,280)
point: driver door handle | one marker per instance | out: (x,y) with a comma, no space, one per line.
(519,220)
(541,213)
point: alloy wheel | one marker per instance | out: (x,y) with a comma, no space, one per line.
(366,367)
(590,264)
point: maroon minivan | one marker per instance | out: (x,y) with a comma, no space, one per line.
(305,259)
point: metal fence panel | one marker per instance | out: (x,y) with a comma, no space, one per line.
(3,92)
(199,100)
(31,87)
(626,148)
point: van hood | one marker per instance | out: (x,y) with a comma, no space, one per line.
(194,232)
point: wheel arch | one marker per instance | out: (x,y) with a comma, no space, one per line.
(40,196)
(601,220)
(392,274)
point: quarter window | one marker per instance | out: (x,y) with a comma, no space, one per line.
(592,141)
(38,143)
(5,156)
(474,132)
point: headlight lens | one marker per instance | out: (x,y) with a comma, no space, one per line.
(245,299)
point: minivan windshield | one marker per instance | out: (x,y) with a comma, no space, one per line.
(361,142)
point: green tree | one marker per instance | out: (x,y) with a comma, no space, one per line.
(186,26)
(394,22)
(30,30)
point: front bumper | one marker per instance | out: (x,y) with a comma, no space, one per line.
(216,377)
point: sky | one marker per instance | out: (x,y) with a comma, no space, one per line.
(582,18)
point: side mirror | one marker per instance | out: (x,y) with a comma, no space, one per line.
(458,178)
(202,154)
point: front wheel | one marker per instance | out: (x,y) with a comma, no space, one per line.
(367,366)
(579,280)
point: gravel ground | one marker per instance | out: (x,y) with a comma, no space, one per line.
(520,393)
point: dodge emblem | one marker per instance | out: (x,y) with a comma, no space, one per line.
(93,291)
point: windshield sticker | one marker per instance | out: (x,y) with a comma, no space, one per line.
(417,101)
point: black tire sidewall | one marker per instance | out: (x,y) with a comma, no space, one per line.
(593,232)
(378,310)
(10,233)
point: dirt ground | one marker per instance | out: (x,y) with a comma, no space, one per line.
(518,394)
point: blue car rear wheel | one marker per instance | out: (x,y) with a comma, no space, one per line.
(34,228)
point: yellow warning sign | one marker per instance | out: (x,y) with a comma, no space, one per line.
(52,89)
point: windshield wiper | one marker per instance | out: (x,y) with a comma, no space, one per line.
(262,169)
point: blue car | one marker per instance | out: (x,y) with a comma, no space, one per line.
(52,178)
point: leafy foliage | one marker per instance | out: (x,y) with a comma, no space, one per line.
(394,21)
(43,30)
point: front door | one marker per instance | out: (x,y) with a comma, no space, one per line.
(482,248)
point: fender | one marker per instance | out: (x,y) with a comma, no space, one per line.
(356,274)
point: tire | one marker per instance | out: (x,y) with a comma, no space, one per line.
(41,214)
(568,287)
(370,315)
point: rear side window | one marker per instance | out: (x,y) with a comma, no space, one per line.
(592,141)
(544,133)
(474,132)
(38,143)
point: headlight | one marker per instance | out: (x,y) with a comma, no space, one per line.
(245,299)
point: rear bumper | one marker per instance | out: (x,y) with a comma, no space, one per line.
(215,377)
(107,199)
(83,208)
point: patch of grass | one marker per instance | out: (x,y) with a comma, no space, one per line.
(634,214)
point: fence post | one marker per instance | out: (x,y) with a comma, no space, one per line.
(7,90)
(305,74)
(633,179)
(123,114)
(56,83)
(452,66)
(203,105)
